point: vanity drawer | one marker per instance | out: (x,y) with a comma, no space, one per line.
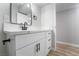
(23,40)
(48,34)
(48,37)
(49,42)
(48,47)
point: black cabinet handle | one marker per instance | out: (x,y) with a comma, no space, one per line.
(49,39)
(38,47)
(8,40)
(49,47)
(49,33)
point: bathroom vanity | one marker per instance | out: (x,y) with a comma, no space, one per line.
(27,33)
(28,43)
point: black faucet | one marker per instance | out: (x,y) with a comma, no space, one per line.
(24,26)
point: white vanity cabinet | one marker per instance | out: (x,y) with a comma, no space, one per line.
(32,44)
(48,42)
(40,50)
(32,49)
(26,51)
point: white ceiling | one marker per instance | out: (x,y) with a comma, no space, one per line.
(63,6)
(41,4)
(59,6)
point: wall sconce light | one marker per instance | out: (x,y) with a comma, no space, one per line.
(34,17)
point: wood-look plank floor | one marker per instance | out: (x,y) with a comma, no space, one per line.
(64,50)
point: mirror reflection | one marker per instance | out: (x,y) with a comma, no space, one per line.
(21,13)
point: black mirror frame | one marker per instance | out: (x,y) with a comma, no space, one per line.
(16,19)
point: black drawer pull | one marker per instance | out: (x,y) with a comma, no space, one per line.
(49,33)
(49,39)
(8,40)
(49,47)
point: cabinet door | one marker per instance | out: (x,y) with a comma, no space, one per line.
(10,46)
(26,51)
(40,48)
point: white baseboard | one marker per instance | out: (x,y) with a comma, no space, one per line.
(70,44)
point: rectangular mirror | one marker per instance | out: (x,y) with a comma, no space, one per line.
(20,13)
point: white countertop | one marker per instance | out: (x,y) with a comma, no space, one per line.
(18,32)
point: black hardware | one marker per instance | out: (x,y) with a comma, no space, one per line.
(8,40)
(34,17)
(24,27)
(49,47)
(49,39)
(38,47)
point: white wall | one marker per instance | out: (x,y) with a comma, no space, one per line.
(35,23)
(36,11)
(48,16)
(4,10)
(68,25)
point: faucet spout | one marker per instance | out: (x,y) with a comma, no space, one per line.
(24,27)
